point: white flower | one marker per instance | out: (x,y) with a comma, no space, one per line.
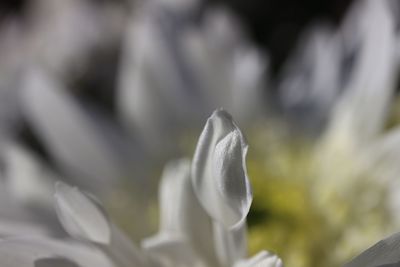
(192,233)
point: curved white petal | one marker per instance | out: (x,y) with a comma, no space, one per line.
(219,172)
(80,216)
(261,259)
(27,253)
(84,219)
(230,244)
(182,216)
(385,252)
(172,250)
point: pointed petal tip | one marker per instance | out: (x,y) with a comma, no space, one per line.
(80,216)
(219,174)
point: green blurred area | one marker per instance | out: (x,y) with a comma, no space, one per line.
(304,226)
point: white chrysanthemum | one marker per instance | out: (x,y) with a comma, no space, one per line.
(192,230)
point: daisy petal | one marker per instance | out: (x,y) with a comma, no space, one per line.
(363,105)
(182,216)
(230,244)
(219,172)
(262,259)
(80,216)
(175,251)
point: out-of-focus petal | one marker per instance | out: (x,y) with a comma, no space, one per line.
(363,106)
(219,172)
(27,252)
(230,244)
(261,259)
(385,252)
(84,219)
(51,38)
(80,217)
(149,79)
(16,217)
(15,228)
(310,81)
(124,252)
(27,179)
(68,133)
(51,262)
(171,250)
(182,217)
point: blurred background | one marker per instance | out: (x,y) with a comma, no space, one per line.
(102,94)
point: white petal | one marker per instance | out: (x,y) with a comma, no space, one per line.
(219,172)
(363,106)
(27,179)
(153,93)
(385,252)
(248,84)
(231,244)
(27,253)
(84,219)
(16,219)
(51,262)
(67,132)
(124,252)
(262,259)
(310,82)
(174,250)
(80,216)
(182,216)
(15,228)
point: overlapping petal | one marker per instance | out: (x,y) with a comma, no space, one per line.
(182,217)
(80,216)
(219,172)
